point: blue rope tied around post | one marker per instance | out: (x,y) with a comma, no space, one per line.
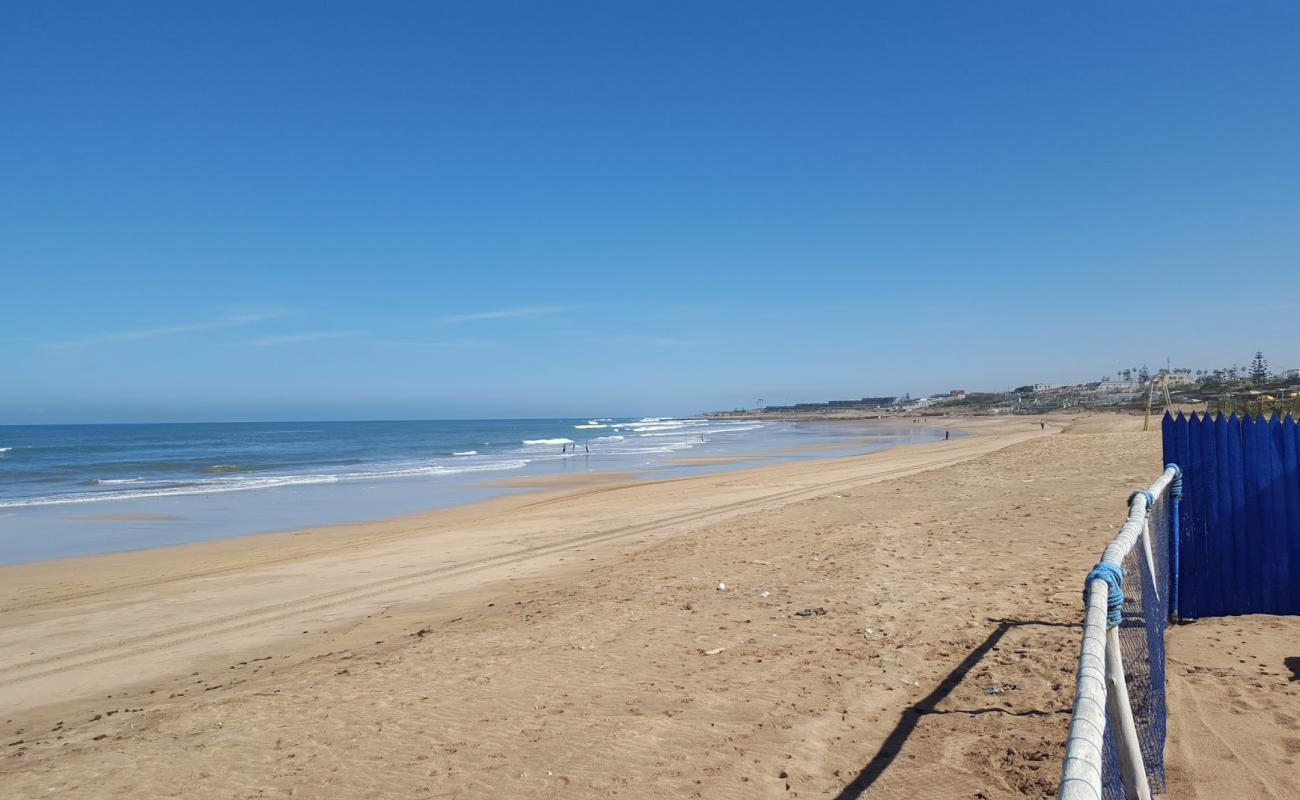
(1176,488)
(1151,499)
(1113,575)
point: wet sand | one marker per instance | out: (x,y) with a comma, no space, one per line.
(713,461)
(143,517)
(572,480)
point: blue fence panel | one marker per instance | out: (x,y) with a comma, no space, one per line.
(1239,537)
(1280,544)
(1253,548)
(1242,592)
(1290,436)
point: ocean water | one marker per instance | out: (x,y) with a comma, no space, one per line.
(77,489)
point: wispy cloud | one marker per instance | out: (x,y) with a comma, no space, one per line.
(220,323)
(301,338)
(505,313)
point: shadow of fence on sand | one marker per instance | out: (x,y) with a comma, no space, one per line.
(912,715)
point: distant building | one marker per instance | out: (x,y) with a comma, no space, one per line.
(866,402)
(1116,398)
(1047,387)
(1107,385)
(1292,374)
(838,405)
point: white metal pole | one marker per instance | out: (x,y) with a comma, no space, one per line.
(1146,547)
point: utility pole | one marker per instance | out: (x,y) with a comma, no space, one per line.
(1151,391)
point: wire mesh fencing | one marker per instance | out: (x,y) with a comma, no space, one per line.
(1125,637)
(1142,643)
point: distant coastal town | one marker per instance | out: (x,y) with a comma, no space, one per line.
(1251,389)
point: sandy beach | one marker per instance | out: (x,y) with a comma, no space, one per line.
(898,624)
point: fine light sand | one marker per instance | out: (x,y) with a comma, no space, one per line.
(573,642)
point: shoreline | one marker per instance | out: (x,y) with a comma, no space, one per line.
(79,526)
(526,487)
(534,490)
(86,626)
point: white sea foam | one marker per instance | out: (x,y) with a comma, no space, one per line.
(624,443)
(734,429)
(704,431)
(665,424)
(665,447)
(242,484)
(492,466)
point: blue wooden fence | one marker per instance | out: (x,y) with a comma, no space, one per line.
(1239,543)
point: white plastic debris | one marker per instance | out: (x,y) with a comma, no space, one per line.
(722,587)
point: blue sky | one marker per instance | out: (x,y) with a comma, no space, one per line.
(348,210)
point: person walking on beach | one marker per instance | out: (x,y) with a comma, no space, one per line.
(945,436)
(1042,426)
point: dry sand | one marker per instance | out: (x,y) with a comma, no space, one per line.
(1234,708)
(574,642)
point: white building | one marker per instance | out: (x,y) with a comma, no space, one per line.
(1108,385)
(1115,398)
